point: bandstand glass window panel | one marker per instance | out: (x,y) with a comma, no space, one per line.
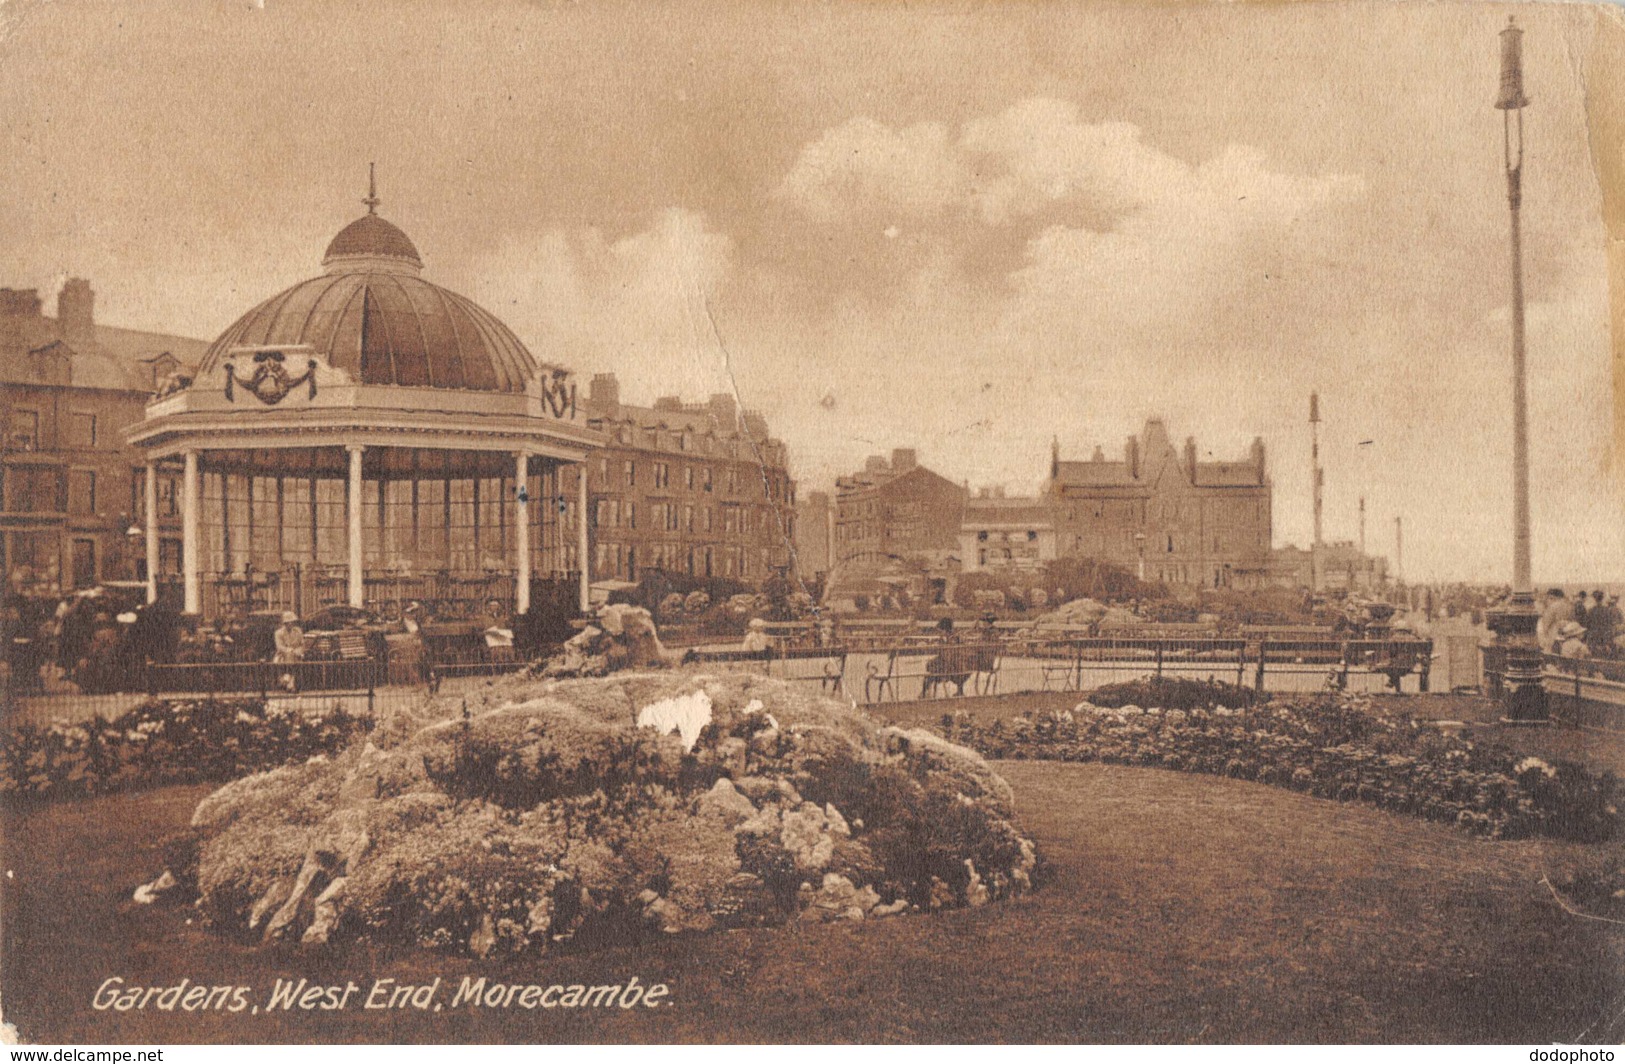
(372,531)
(211,517)
(431,524)
(399,540)
(265,547)
(296,522)
(332,523)
(239,522)
(465,554)
(169,494)
(492,525)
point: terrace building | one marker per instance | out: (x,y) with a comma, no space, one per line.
(71,489)
(698,489)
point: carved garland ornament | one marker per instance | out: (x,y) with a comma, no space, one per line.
(270,382)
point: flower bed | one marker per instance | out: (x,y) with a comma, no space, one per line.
(595,811)
(1345,748)
(163,742)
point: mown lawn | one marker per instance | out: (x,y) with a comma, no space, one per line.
(1180,908)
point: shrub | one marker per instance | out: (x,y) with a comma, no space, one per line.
(1344,748)
(1172,692)
(163,742)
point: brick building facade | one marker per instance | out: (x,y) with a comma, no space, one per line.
(70,488)
(1164,514)
(698,489)
(896,512)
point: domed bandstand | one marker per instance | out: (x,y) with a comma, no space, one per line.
(367,438)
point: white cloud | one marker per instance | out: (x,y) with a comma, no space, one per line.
(862,165)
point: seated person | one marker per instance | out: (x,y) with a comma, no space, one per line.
(756,638)
(290,639)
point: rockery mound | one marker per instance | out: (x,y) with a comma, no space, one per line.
(593,811)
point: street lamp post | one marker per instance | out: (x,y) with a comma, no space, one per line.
(1524,692)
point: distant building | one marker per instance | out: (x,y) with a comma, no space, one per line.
(699,489)
(1164,514)
(894,513)
(1342,568)
(71,490)
(999,533)
(815,526)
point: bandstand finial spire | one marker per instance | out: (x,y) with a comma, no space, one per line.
(372,199)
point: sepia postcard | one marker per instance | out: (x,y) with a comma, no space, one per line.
(582,521)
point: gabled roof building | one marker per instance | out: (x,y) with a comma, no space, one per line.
(1163,513)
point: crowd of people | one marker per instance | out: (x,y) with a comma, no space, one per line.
(1585,626)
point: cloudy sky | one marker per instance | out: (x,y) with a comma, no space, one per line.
(964,228)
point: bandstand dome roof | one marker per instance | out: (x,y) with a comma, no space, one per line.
(371,315)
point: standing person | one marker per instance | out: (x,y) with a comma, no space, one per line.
(1604,626)
(1580,610)
(1558,612)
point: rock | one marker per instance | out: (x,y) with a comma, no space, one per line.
(147,893)
(976,892)
(806,837)
(722,800)
(298,895)
(539,919)
(757,788)
(483,938)
(837,899)
(767,822)
(664,916)
(731,754)
(880,912)
(326,912)
(274,896)
(766,744)
(837,822)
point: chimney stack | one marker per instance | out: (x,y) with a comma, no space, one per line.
(604,394)
(76,313)
(724,411)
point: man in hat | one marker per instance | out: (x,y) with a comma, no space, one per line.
(290,639)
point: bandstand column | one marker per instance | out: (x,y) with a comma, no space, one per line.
(581,536)
(357,584)
(521,525)
(150,506)
(189,536)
